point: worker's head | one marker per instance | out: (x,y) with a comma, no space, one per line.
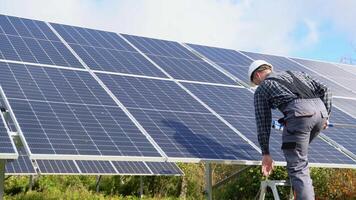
(258,71)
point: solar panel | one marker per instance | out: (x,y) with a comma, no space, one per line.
(48,167)
(347,105)
(95,167)
(344,136)
(180,124)
(132,168)
(106,51)
(21,166)
(178,61)
(66,112)
(32,41)
(236,106)
(164,168)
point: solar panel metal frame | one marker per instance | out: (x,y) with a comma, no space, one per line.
(15,154)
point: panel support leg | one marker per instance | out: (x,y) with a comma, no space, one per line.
(31,183)
(97,185)
(2,178)
(141,187)
(208,181)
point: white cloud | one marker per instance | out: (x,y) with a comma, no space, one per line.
(247,25)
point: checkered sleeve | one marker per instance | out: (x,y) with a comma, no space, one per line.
(263,119)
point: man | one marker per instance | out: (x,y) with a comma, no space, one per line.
(305,104)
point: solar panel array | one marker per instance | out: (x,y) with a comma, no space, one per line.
(118,99)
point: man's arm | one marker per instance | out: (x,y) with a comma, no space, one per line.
(263,119)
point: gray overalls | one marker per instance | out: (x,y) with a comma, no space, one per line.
(304,119)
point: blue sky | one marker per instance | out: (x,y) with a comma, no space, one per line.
(318,29)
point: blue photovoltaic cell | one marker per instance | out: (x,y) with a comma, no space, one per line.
(95,167)
(194,135)
(33,41)
(57,167)
(21,166)
(283,64)
(347,105)
(67,112)
(222,56)
(131,168)
(191,70)
(230,60)
(178,61)
(177,122)
(161,47)
(106,51)
(164,168)
(342,135)
(147,93)
(225,100)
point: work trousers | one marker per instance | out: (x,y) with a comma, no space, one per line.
(304,120)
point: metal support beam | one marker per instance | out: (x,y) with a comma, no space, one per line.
(141,187)
(232,176)
(97,185)
(208,181)
(2,178)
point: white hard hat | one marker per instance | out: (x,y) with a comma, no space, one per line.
(255,65)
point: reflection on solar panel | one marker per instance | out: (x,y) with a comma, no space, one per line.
(106,51)
(21,166)
(164,168)
(32,41)
(182,127)
(178,61)
(332,72)
(62,111)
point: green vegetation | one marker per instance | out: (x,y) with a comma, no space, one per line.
(328,183)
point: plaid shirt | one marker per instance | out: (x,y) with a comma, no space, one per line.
(270,95)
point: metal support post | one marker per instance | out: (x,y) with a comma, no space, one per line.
(141,187)
(208,181)
(98,179)
(2,178)
(31,182)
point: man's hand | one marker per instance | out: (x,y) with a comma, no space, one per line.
(326,124)
(267,165)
